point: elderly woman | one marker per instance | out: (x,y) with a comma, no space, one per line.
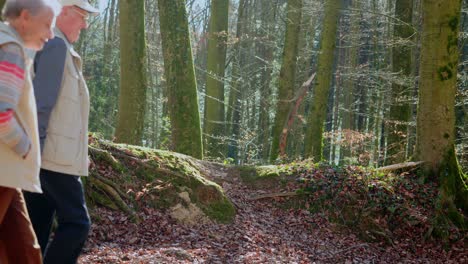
(28,25)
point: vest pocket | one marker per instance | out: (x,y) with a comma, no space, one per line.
(61,149)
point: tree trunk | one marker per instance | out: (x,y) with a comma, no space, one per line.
(111,23)
(400,109)
(214,123)
(154,76)
(436,115)
(348,112)
(180,78)
(109,85)
(269,11)
(201,53)
(235,94)
(133,84)
(303,72)
(376,97)
(318,113)
(287,74)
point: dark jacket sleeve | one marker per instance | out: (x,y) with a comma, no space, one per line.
(49,66)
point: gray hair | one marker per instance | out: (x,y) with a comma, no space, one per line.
(12,8)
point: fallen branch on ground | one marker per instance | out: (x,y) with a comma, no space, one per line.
(274,195)
(400,166)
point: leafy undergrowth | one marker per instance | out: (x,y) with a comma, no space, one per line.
(377,206)
(332,215)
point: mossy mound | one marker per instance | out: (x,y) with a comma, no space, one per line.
(128,177)
(377,206)
(271,175)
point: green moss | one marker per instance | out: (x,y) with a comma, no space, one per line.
(453,23)
(452,41)
(166,198)
(99,198)
(145,174)
(452,203)
(445,73)
(140,152)
(254,173)
(159,177)
(263,176)
(206,195)
(454,182)
(223,211)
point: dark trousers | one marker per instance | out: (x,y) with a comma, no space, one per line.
(63,197)
(18,244)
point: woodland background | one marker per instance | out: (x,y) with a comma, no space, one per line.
(370,108)
(325,89)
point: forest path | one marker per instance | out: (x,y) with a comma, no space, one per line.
(262,232)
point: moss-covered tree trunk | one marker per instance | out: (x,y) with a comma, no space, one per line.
(400,108)
(180,78)
(214,125)
(133,84)
(303,72)
(436,114)
(318,113)
(287,73)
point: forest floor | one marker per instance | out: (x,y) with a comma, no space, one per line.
(263,231)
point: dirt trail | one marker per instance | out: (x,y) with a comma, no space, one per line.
(261,233)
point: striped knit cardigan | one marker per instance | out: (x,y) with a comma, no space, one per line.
(19,141)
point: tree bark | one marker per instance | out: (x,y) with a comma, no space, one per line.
(287,73)
(214,123)
(304,69)
(180,78)
(236,91)
(269,11)
(318,114)
(400,109)
(133,84)
(436,114)
(349,89)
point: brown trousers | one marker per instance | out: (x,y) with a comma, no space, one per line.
(18,243)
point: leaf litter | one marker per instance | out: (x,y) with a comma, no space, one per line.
(265,231)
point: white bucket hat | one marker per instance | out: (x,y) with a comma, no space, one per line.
(83,4)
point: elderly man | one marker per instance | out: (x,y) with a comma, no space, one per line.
(28,25)
(63,109)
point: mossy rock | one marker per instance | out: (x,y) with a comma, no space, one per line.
(160,179)
(265,176)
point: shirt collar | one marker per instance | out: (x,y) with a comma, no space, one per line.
(59,33)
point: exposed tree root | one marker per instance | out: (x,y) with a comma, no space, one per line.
(106,192)
(148,169)
(110,196)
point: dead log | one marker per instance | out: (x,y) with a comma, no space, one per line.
(400,166)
